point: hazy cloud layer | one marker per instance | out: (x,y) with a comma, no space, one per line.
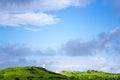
(18,62)
(82,64)
(73,53)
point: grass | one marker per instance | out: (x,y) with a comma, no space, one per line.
(91,75)
(29,73)
(37,73)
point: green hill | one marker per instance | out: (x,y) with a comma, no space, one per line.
(29,73)
(37,73)
(91,75)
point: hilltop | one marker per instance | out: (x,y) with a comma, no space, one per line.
(29,73)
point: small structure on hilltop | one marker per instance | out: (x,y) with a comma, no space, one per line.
(43,65)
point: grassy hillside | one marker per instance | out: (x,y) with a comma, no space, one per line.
(37,73)
(91,75)
(29,73)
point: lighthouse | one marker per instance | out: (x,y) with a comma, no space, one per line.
(43,66)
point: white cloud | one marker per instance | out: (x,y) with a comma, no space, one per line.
(27,18)
(55,5)
(33,30)
(17,12)
(40,5)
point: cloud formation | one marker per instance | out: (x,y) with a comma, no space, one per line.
(13,55)
(37,19)
(40,5)
(77,48)
(105,43)
(21,55)
(71,54)
(110,41)
(83,64)
(10,52)
(32,12)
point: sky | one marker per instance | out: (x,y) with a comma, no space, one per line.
(75,35)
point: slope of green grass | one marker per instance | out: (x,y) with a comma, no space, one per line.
(91,75)
(29,73)
(37,73)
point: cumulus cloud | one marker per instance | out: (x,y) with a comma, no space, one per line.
(32,12)
(15,55)
(77,48)
(14,50)
(21,55)
(105,43)
(110,41)
(27,18)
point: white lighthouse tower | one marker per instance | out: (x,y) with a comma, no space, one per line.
(43,65)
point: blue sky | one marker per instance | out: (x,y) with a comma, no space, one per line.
(83,34)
